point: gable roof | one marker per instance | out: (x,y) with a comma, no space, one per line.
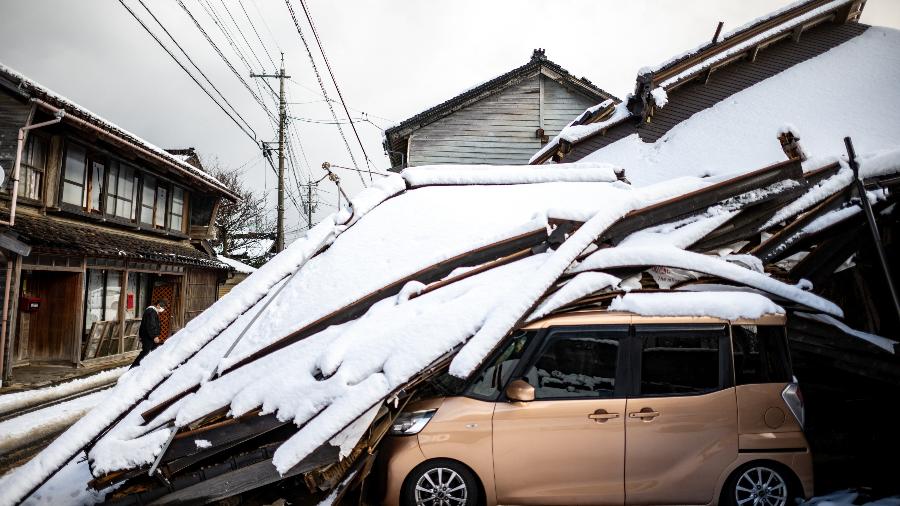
(28,89)
(395,137)
(769,44)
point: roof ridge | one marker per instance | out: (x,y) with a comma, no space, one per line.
(538,59)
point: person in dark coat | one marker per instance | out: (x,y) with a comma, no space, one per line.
(149,330)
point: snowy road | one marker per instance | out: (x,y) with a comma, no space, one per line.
(22,436)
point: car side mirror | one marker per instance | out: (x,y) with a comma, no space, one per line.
(520,391)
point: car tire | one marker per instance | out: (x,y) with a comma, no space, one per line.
(440,482)
(767,483)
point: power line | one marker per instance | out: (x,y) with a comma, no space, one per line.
(222,56)
(191,61)
(329,99)
(220,24)
(322,85)
(253,26)
(252,135)
(334,80)
(268,29)
(351,168)
(241,33)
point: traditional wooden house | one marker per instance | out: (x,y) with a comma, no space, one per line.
(96,223)
(502,121)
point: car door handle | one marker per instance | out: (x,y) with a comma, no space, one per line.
(645,414)
(601,416)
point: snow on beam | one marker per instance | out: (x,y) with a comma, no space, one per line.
(680,259)
(460,175)
(683,205)
(778,245)
(745,224)
(821,262)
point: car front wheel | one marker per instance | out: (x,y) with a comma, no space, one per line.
(440,483)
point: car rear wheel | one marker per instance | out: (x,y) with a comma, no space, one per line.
(440,483)
(761,484)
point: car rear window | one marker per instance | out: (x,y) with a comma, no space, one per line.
(679,361)
(760,354)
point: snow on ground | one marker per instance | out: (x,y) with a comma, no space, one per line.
(21,430)
(19,400)
(724,305)
(68,487)
(819,96)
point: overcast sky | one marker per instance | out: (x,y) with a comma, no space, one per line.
(392,59)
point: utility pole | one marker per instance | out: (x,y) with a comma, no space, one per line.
(309,206)
(282,123)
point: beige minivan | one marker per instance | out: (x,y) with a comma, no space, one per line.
(598,407)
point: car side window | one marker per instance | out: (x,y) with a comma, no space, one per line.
(495,374)
(575,365)
(679,361)
(760,354)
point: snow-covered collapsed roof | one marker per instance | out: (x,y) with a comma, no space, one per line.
(819,100)
(719,108)
(36,90)
(436,264)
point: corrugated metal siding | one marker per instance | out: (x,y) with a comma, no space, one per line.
(499,129)
(691,98)
(561,106)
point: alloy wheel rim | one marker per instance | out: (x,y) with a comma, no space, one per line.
(441,487)
(761,486)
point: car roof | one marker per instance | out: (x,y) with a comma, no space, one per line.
(604,317)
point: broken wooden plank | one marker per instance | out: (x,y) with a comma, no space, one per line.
(774,247)
(680,207)
(746,223)
(821,262)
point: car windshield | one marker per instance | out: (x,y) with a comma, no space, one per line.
(495,374)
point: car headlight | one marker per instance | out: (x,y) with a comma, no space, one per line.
(412,422)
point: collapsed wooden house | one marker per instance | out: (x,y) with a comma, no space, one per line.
(284,390)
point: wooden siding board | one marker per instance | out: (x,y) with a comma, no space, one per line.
(200,293)
(561,106)
(498,129)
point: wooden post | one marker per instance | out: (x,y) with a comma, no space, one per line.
(873,225)
(123,294)
(80,305)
